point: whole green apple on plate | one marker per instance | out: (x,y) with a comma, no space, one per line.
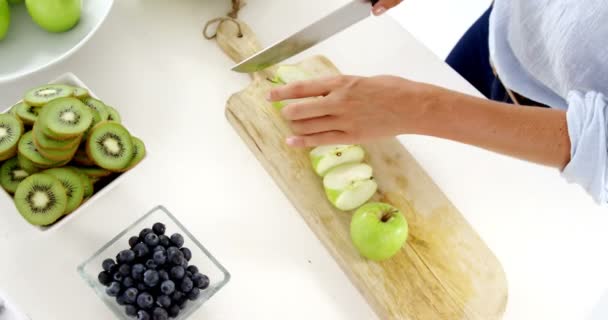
(5,18)
(54,15)
(378,230)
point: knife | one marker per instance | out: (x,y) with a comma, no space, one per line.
(340,19)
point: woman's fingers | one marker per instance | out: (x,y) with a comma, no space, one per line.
(313,108)
(316,125)
(384,5)
(301,89)
(317,139)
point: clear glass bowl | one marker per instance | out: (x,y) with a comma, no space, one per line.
(201,257)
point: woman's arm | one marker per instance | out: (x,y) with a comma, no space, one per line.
(359,109)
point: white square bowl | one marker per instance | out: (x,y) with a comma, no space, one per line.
(5,197)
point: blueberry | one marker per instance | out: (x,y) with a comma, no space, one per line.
(193,269)
(124,269)
(177,295)
(173,311)
(151,278)
(121,300)
(185,265)
(145,300)
(186,285)
(164,241)
(163,275)
(104,278)
(107,264)
(143,315)
(159,257)
(177,272)
(113,269)
(125,256)
(159,248)
(160,314)
(151,240)
(137,271)
(172,251)
(118,277)
(141,250)
(151,265)
(200,280)
(163,301)
(187,253)
(193,294)
(177,258)
(128,282)
(131,295)
(131,310)
(143,233)
(189,274)
(158,228)
(177,239)
(141,287)
(167,287)
(114,289)
(133,241)
(182,302)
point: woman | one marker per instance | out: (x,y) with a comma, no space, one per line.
(551,60)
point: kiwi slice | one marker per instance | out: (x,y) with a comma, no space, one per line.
(66,117)
(41,199)
(80,93)
(43,141)
(11,174)
(44,94)
(13,110)
(11,130)
(95,172)
(99,106)
(86,181)
(110,146)
(72,183)
(82,158)
(58,156)
(113,114)
(27,164)
(139,152)
(28,114)
(28,149)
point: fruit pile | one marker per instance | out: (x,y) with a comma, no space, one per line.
(153,278)
(378,230)
(50,15)
(59,145)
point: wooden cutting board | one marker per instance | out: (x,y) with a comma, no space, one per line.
(445,271)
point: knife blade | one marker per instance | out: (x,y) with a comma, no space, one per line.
(331,24)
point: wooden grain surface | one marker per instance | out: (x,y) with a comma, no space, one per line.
(444,271)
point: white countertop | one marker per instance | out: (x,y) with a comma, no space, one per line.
(151,62)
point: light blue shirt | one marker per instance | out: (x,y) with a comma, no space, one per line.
(556,52)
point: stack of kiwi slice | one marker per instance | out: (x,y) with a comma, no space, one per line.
(60,145)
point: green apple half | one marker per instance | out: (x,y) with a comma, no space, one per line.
(55,15)
(326,157)
(378,230)
(348,186)
(287,74)
(5,18)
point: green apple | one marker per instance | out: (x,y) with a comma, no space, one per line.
(55,15)
(378,230)
(287,74)
(348,186)
(5,18)
(325,157)
(15,1)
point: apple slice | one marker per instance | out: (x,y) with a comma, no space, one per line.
(378,230)
(348,186)
(326,157)
(287,74)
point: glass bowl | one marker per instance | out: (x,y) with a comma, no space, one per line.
(201,257)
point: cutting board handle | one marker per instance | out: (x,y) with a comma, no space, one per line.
(239,42)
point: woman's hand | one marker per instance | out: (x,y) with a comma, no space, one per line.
(384,5)
(351,109)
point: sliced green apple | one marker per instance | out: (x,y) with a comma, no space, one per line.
(349,186)
(287,74)
(326,157)
(5,19)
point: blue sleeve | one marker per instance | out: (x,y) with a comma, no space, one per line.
(587,121)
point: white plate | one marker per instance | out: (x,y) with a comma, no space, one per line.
(5,197)
(28,48)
